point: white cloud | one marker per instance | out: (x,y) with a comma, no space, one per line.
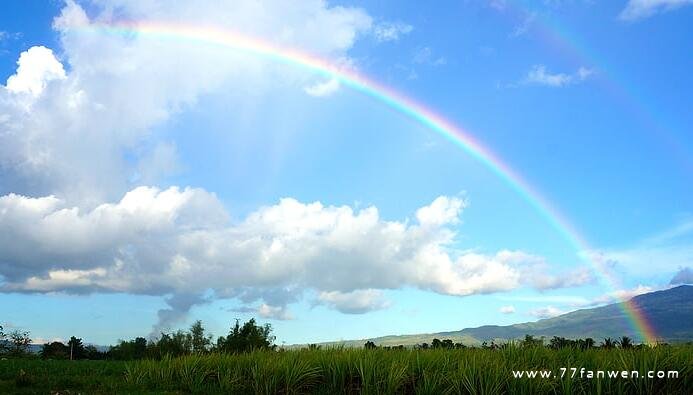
(424,55)
(181,242)
(37,66)
(274,312)
(391,31)
(622,294)
(443,210)
(663,253)
(538,75)
(546,312)
(499,5)
(525,25)
(322,89)
(160,161)
(639,9)
(507,309)
(64,137)
(683,276)
(354,302)
(81,134)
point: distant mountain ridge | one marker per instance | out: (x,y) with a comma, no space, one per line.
(669,312)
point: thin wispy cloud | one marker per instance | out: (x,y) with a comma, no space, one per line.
(507,309)
(525,25)
(425,55)
(546,312)
(540,75)
(641,9)
(391,31)
(670,249)
(323,89)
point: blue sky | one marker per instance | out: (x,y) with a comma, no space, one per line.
(385,227)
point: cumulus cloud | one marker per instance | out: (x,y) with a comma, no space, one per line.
(355,302)
(640,9)
(538,75)
(74,147)
(181,242)
(391,31)
(36,67)
(179,305)
(273,312)
(81,132)
(683,276)
(507,309)
(322,89)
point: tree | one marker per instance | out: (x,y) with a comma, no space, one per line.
(92,353)
(172,344)
(19,342)
(55,350)
(247,338)
(199,341)
(558,342)
(531,341)
(76,348)
(586,343)
(3,341)
(625,342)
(608,343)
(130,349)
(369,345)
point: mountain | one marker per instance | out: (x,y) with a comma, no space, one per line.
(669,312)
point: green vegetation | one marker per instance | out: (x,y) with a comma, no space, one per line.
(367,371)
(247,362)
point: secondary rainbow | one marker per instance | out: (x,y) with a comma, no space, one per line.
(408,106)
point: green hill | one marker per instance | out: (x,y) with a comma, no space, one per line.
(670,312)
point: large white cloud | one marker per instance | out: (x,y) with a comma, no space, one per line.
(78,128)
(36,67)
(181,242)
(74,134)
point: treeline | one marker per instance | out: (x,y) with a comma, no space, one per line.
(556,343)
(241,338)
(245,338)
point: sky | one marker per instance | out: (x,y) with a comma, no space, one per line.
(148,180)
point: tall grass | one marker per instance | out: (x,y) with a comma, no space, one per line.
(360,371)
(468,371)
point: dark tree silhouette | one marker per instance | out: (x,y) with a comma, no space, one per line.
(55,350)
(531,341)
(608,343)
(3,341)
(247,338)
(198,340)
(19,343)
(625,342)
(369,345)
(76,348)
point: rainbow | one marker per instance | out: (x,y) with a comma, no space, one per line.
(397,101)
(557,35)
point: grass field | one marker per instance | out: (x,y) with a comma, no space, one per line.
(342,371)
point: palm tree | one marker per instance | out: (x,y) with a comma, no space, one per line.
(588,343)
(625,342)
(608,343)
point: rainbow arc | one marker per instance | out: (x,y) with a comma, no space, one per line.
(401,103)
